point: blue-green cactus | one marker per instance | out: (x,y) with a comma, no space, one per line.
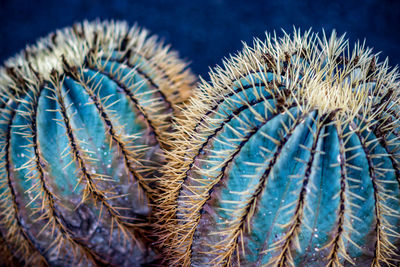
(84,117)
(288,158)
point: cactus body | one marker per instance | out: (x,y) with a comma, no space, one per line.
(289,157)
(85,115)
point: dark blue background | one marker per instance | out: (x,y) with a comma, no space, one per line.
(205,31)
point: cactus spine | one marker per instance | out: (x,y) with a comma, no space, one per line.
(288,157)
(85,114)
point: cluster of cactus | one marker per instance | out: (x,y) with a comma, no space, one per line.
(289,156)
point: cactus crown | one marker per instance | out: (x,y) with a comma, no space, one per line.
(288,156)
(85,114)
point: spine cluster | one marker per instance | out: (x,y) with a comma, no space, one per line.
(288,157)
(85,116)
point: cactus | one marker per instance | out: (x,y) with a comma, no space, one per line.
(85,116)
(287,157)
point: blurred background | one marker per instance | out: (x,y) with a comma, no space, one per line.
(205,31)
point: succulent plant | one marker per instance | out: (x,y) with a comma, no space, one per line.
(85,114)
(289,156)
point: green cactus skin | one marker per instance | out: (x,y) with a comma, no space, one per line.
(84,117)
(288,157)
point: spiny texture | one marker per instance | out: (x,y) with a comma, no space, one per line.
(288,157)
(85,114)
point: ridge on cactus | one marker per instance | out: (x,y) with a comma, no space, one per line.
(289,156)
(85,114)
